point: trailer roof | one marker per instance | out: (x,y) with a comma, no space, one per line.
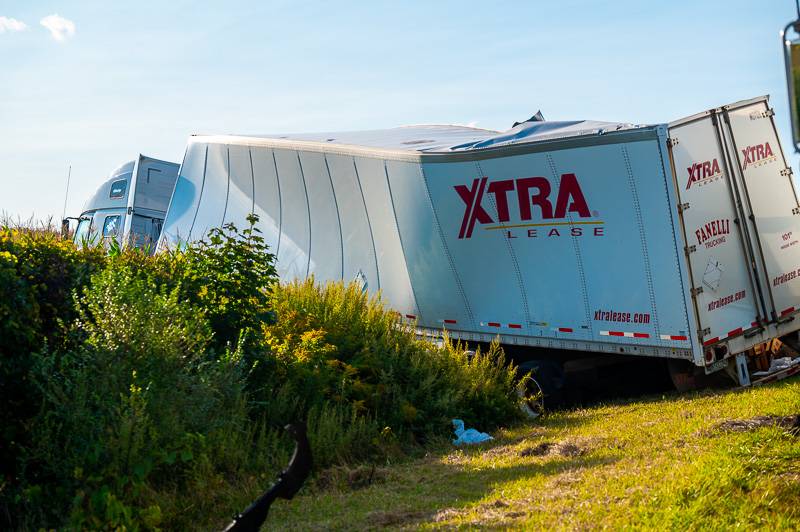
(453,138)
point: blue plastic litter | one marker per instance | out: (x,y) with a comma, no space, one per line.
(468,436)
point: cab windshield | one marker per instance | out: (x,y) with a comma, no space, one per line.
(82,231)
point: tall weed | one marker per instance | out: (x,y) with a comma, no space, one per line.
(345,347)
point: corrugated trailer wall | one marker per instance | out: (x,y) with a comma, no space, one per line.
(320,213)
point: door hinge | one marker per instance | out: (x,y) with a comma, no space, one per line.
(704,332)
(130,210)
(683,206)
(796,210)
(672,141)
(762,114)
(689,249)
(697,291)
(786,172)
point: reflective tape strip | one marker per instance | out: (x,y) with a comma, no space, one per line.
(625,334)
(678,337)
(449,321)
(498,324)
(734,332)
(411,316)
(786,311)
(564,329)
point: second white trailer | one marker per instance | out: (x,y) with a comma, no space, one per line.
(589,236)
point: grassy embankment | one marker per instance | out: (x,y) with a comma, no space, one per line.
(663,463)
(147,392)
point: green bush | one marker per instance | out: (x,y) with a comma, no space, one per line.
(38,275)
(150,387)
(229,275)
(140,407)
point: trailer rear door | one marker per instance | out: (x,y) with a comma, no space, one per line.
(724,289)
(770,202)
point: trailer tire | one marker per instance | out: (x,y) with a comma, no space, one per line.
(543,388)
(531,397)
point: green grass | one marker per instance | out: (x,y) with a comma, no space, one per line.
(652,463)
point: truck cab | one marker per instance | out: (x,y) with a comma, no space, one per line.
(130,205)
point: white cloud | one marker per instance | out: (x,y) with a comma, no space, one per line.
(11,24)
(60,28)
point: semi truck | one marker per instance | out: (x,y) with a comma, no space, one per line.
(568,239)
(575,244)
(129,206)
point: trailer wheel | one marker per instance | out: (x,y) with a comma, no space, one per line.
(530,392)
(543,387)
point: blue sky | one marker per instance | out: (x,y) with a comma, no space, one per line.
(141,77)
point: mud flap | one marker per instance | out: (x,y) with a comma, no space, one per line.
(742,373)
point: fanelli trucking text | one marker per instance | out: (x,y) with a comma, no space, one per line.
(713,232)
(529,192)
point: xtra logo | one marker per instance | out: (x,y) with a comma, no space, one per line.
(757,155)
(703,173)
(530,191)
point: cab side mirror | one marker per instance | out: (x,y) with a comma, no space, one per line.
(791,57)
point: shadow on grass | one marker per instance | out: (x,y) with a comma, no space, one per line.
(447,484)
(420,492)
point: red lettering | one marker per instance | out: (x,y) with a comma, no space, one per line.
(472,198)
(539,199)
(500,190)
(531,191)
(691,176)
(570,190)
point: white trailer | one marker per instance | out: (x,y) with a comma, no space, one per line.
(130,205)
(677,241)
